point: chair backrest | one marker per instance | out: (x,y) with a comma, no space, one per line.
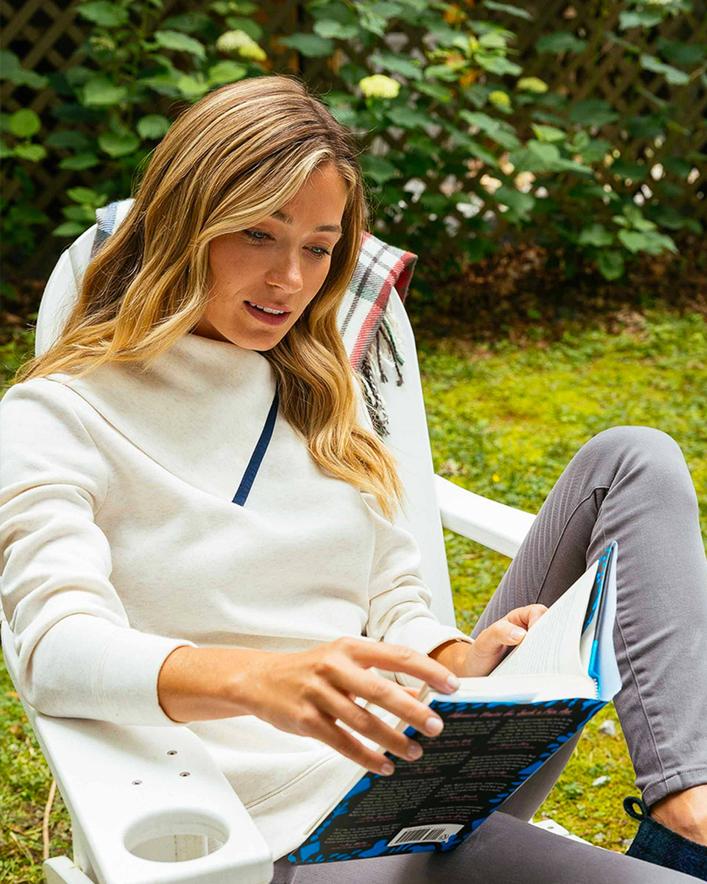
(408,439)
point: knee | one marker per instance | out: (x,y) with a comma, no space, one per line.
(644,448)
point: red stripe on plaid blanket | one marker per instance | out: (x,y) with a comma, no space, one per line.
(400,275)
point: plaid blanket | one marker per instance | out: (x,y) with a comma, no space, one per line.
(366,329)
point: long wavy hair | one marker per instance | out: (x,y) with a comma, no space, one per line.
(227,162)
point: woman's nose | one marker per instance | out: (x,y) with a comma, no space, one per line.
(286,274)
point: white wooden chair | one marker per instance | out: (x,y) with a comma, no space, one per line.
(137,818)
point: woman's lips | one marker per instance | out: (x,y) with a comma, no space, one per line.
(267,318)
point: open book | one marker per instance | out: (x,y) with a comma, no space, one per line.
(499,733)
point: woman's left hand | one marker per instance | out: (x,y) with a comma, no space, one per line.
(491,644)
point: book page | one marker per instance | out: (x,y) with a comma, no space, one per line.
(552,644)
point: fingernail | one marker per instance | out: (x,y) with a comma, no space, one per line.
(387,769)
(517,633)
(453,682)
(434,726)
(414,752)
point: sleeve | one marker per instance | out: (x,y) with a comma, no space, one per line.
(78,656)
(399,602)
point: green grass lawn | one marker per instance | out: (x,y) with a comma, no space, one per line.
(503,422)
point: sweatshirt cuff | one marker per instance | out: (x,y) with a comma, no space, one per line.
(423,635)
(110,673)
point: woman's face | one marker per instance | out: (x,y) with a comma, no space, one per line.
(279,264)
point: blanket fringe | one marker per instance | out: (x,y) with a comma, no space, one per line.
(384,339)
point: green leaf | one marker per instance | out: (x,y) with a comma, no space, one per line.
(12,70)
(102,92)
(5,150)
(639,18)
(33,153)
(309,45)
(595,235)
(69,228)
(153,126)
(407,117)
(547,154)
(87,214)
(548,133)
(347,116)
(84,195)
(651,242)
(188,23)
(329,28)
(492,40)
(497,64)
(506,7)
(674,76)
(498,131)
(436,91)
(118,144)
(626,169)
(648,126)
(681,53)
(103,13)
(79,161)
(593,112)
(378,168)
(226,72)
(180,43)
(192,87)
(610,264)
(397,65)
(594,151)
(435,202)
(67,139)
(677,166)
(247,25)
(668,216)
(24,123)
(476,150)
(440,72)
(520,204)
(560,41)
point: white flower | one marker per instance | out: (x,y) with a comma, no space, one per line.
(242,43)
(499,98)
(379,86)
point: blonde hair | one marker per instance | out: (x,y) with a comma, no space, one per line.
(227,162)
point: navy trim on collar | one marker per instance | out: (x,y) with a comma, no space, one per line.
(258,454)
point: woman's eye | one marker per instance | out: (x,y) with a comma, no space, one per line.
(257,235)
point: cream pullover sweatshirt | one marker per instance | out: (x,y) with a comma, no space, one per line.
(120,541)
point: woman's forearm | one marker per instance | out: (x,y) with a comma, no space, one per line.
(198,684)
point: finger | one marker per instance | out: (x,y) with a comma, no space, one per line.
(497,638)
(525,617)
(399,658)
(389,696)
(364,722)
(328,732)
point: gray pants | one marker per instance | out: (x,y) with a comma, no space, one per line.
(629,484)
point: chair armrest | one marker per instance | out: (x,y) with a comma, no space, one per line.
(495,525)
(138,792)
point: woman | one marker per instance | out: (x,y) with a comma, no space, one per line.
(141,590)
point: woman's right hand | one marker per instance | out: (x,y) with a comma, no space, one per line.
(307,692)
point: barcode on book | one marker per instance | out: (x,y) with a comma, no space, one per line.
(425,834)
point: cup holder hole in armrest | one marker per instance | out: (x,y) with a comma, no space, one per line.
(175,836)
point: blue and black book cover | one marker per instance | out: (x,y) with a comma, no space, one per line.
(487,750)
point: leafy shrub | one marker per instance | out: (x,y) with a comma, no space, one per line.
(17,147)
(138,61)
(462,146)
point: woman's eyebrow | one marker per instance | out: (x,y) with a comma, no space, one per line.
(281,216)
